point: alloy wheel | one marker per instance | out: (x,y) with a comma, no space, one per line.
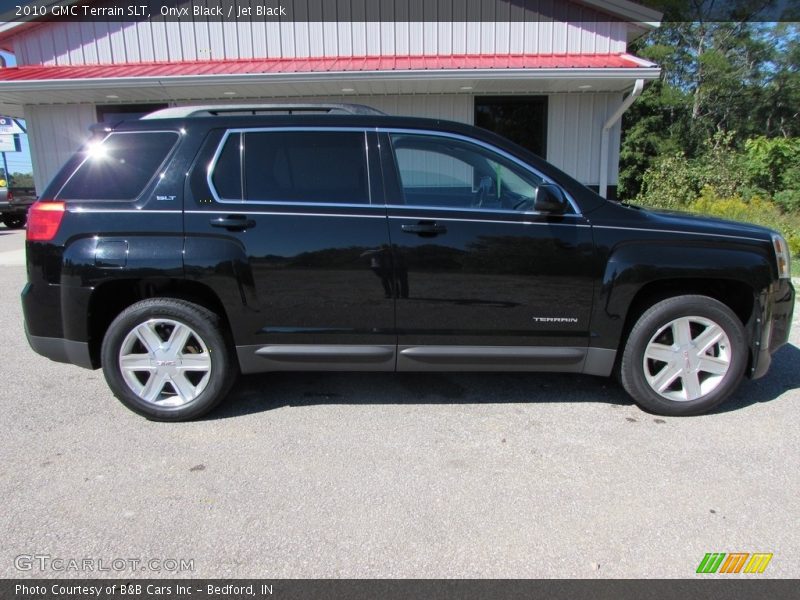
(687,358)
(165,362)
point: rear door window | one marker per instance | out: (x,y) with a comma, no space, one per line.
(306,166)
(119,167)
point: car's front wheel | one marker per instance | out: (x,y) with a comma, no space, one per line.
(684,356)
(167,359)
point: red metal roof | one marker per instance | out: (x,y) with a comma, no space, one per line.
(324,64)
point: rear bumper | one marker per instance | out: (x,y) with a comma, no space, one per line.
(14,208)
(42,309)
(776,320)
(61,350)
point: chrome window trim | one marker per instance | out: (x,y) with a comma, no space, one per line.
(241,165)
(463,138)
(242,150)
(367,160)
(497,220)
(289,203)
(366,131)
(382,215)
(502,211)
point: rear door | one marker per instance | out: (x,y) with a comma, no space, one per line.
(485,281)
(280,223)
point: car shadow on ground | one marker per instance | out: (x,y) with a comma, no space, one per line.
(258,393)
(783,375)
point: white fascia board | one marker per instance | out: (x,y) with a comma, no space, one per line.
(640,61)
(244,78)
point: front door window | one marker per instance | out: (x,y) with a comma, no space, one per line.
(450,173)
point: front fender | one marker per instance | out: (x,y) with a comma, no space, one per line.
(632,267)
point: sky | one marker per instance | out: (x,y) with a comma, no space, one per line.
(18,162)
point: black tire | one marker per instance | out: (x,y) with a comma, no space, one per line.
(15,221)
(666,318)
(214,374)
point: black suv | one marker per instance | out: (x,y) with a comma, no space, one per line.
(196,243)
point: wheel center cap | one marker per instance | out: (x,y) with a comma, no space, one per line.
(690,358)
(167,363)
(161,359)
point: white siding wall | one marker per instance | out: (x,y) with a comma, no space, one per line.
(54,133)
(574,126)
(451,107)
(97,42)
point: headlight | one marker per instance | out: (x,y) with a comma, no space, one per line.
(782,256)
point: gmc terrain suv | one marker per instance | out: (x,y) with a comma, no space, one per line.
(197,243)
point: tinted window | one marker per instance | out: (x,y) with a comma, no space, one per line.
(227,177)
(119,167)
(306,166)
(521,119)
(441,171)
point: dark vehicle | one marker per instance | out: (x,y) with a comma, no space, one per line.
(14,204)
(197,243)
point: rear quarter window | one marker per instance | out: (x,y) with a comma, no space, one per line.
(119,167)
(227,176)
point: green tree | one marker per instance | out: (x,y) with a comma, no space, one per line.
(22,179)
(736,76)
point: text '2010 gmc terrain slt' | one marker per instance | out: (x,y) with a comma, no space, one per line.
(197,243)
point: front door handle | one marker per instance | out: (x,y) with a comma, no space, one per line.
(425,229)
(233,222)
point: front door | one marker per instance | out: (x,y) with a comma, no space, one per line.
(481,279)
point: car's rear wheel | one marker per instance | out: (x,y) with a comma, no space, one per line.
(167,359)
(684,356)
(14,221)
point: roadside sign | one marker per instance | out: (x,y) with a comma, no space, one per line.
(9,126)
(9,143)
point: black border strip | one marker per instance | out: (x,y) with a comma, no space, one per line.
(738,588)
(487,11)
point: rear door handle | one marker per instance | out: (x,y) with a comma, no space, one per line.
(233,222)
(425,229)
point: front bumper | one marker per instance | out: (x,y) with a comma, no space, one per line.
(776,311)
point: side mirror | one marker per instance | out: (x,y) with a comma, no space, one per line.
(549,199)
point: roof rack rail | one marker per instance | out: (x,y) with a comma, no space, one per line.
(256,109)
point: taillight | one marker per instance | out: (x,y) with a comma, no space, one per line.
(44,218)
(9,196)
